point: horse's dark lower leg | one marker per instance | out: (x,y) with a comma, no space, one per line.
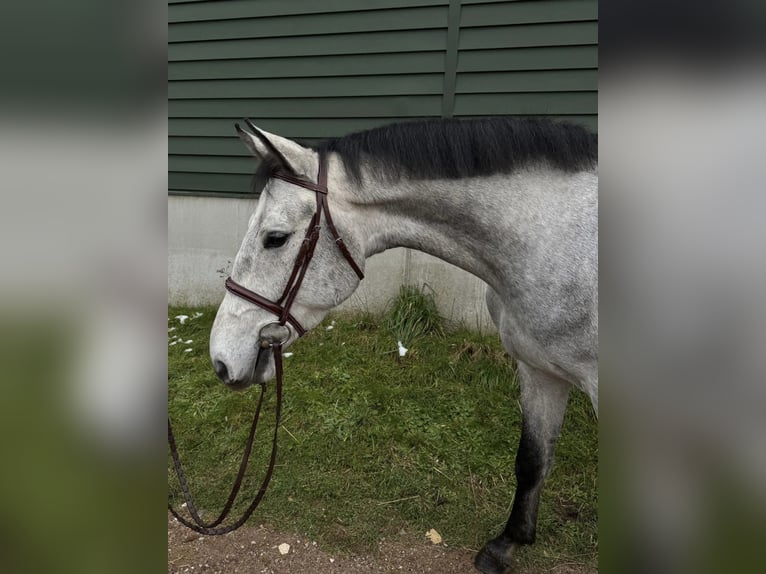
(543,402)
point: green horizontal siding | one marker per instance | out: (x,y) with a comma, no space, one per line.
(542,58)
(289,127)
(310,70)
(387,85)
(310,25)
(528,58)
(528,35)
(307,107)
(540,103)
(202,10)
(192,145)
(310,66)
(590,121)
(534,11)
(537,81)
(212,164)
(229,146)
(299,128)
(361,43)
(206,182)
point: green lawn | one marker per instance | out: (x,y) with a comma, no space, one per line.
(371,444)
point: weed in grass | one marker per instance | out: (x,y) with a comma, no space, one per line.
(412,315)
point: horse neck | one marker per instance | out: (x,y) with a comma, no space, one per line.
(484,225)
(454,220)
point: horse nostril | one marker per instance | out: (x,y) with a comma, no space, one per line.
(221,371)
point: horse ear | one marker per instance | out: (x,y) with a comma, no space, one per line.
(290,156)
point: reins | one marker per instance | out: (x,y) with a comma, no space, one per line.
(210,528)
(281,308)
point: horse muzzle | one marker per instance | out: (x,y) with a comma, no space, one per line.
(271,335)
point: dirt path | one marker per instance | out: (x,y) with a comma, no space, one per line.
(255,550)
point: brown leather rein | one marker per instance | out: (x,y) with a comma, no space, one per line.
(281,308)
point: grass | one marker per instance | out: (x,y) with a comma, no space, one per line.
(412,315)
(373,445)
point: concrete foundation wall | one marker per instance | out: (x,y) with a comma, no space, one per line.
(204,234)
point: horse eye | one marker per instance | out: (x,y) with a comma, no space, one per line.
(275,239)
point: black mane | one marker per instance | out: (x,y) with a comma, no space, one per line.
(454,149)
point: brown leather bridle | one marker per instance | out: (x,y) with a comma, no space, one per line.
(281,308)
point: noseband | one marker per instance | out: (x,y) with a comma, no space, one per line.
(281,307)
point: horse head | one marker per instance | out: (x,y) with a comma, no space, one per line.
(295,264)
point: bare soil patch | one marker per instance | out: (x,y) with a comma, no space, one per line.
(255,550)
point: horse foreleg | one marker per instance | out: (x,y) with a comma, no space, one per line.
(543,401)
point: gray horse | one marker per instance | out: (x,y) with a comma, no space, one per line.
(513,201)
